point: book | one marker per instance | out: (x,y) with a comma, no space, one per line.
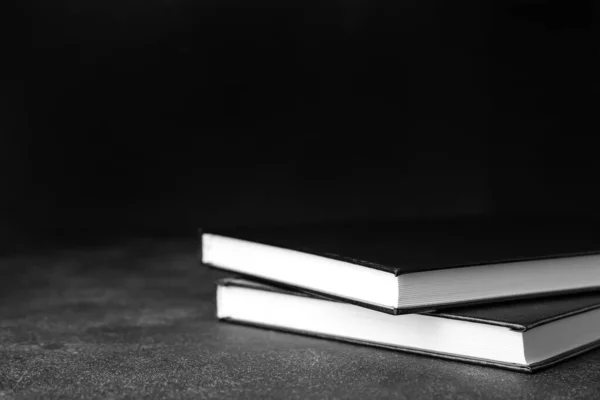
(423,267)
(524,335)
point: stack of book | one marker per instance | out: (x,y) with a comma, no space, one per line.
(506,299)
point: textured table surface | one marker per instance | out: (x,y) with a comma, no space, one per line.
(138,321)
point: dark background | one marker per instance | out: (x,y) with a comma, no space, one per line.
(123,118)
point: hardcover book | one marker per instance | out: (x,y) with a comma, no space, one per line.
(523,335)
(418,268)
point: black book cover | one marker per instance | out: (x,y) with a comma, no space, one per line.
(417,246)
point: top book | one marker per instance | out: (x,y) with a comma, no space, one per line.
(406,267)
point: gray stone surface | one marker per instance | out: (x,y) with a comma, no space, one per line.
(138,321)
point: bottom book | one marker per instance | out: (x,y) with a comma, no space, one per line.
(523,335)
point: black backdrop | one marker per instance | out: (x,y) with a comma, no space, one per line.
(128,117)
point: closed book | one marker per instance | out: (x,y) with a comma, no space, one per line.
(523,335)
(403,268)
